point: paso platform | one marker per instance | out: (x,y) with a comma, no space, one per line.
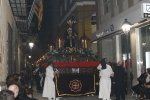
(75,84)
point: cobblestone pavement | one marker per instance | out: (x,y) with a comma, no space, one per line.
(38,95)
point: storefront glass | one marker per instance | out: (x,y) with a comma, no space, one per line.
(114,48)
(145,45)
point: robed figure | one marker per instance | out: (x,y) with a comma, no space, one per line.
(70,34)
(105,81)
(49,86)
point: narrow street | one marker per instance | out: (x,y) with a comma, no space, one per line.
(38,95)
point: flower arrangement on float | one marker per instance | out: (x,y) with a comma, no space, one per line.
(80,58)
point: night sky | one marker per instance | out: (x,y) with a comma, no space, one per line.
(45,34)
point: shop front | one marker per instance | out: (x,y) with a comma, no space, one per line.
(112,42)
(114,47)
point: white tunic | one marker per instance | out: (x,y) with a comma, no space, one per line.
(105,82)
(49,86)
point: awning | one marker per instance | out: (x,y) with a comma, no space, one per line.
(19,9)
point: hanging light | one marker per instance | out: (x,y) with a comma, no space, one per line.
(126,26)
(31,44)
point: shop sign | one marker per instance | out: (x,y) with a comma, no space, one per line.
(145,10)
(106,31)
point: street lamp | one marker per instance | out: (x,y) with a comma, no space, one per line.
(126,29)
(29,56)
(31,44)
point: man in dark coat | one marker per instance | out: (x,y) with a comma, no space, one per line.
(119,75)
(37,76)
(139,88)
(141,80)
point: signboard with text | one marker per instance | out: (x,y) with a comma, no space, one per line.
(145,10)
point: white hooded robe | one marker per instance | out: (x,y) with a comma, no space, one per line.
(49,86)
(105,82)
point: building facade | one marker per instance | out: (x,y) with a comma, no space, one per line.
(112,42)
(8,41)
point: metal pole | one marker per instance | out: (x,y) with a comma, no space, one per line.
(128,67)
(31,74)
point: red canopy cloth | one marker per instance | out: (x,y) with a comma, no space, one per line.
(73,64)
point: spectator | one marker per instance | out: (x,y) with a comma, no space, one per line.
(38,76)
(14,89)
(147,86)
(142,80)
(21,95)
(6,95)
(119,75)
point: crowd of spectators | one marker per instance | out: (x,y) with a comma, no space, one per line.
(142,89)
(18,87)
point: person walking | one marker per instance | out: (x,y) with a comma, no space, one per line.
(49,86)
(105,81)
(119,76)
(38,76)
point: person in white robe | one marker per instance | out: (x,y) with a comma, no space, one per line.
(105,82)
(49,85)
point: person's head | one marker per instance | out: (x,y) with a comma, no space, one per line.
(17,77)
(50,63)
(37,64)
(110,63)
(103,63)
(143,70)
(15,89)
(6,95)
(13,79)
(148,71)
(119,63)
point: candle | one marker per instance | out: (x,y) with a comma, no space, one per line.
(85,44)
(51,47)
(59,44)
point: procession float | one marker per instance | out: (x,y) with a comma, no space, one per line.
(76,64)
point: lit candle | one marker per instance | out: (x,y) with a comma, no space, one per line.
(85,44)
(51,48)
(59,44)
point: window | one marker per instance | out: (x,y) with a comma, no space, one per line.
(61,11)
(65,4)
(70,1)
(116,2)
(106,6)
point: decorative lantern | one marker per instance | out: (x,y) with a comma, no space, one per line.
(84,41)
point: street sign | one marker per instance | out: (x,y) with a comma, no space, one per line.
(145,7)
